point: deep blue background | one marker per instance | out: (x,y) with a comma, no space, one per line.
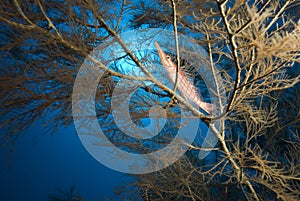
(41,163)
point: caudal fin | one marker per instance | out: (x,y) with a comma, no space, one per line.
(207,107)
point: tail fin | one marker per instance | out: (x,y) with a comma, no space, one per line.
(207,107)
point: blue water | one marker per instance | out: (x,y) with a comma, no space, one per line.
(41,163)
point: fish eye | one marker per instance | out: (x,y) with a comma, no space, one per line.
(168,57)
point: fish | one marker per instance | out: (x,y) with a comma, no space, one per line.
(184,86)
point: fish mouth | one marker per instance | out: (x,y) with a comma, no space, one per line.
(161,55)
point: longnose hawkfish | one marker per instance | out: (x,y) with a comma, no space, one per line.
(184,86)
